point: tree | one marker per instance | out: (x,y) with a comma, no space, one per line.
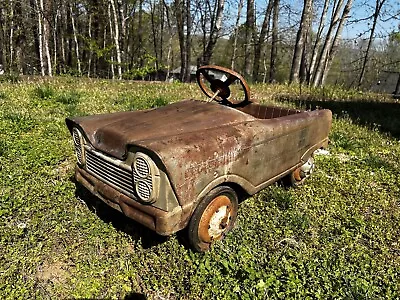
(300,45)
(261,39)
(378,7)
(215,12)
(274,42)
(250,33)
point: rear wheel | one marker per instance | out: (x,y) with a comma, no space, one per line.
(298,176)
(213,218)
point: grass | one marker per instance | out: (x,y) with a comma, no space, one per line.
(335,237)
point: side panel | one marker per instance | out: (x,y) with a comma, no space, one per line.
(255,151)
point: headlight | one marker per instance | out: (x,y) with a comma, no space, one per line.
(145,177)
(78,142)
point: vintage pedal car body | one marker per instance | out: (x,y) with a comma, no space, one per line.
(188,163)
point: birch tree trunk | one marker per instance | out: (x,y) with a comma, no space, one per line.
(40,33)
(55,38)
(116,40)
(321,66)
(335,44)
(11,40)
(46,36)
(78,61)
(318,42)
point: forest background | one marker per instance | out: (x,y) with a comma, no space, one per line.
(352,43)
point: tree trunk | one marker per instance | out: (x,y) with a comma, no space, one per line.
(274,43)
(378,7)
(300,41)
(20,38)
(112,37)
(154,30)
(170,31)
(46,37)
(258,46)
(11,37)
(214,33)
(76,42)
(334,48)
(188,42)
(116,40)
(397,90)
(318,42)
(235,38)
(250,32)
(40,32)
(321,66)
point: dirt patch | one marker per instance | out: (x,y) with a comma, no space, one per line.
(65,167)
(54,272)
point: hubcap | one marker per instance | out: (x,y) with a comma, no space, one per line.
(216,219)
(305,170)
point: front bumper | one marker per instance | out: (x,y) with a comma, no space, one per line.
(163,222)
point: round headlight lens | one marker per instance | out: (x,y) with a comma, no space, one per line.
(145,177)
(142,167)
(144,189)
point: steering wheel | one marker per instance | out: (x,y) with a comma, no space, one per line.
(223,85)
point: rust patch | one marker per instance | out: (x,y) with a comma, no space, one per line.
(215,219)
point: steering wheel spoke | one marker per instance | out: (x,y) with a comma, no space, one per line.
(216,81)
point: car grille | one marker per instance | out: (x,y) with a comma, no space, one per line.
(115,175)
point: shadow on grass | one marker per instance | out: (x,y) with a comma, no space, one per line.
(383,116)
(120,222)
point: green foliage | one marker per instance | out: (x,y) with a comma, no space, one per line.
(10,78)
(68,97)
(141,72)
(44,91)
(336,237)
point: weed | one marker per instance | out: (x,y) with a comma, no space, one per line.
(10,78)
(68,97)
(44,91)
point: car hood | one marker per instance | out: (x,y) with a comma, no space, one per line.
(113,133)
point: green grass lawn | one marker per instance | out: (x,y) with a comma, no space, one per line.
(338,236)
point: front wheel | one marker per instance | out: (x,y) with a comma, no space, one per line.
(213,218)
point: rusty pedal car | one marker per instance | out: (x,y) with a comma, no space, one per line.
(189,163)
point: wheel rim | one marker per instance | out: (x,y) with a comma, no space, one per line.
(216,219)
(305,170)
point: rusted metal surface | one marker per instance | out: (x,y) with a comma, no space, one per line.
(215,219)
(198,146)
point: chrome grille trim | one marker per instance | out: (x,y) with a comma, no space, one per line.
(78,145)
(115,173)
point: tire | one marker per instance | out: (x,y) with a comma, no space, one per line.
(213,218)
(298,176)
